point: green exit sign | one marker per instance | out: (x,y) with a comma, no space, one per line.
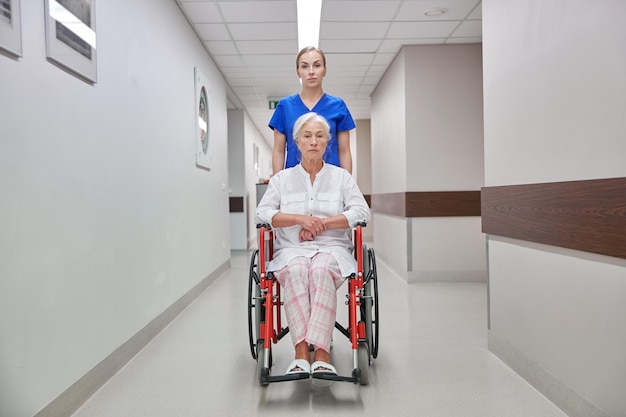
(273,104)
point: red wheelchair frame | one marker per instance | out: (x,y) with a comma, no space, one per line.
(266,328)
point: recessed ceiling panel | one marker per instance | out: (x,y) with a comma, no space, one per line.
(349,46)
(469,28)
(202,12)
(340,60)
(259,11)
(260,61)
(263,31)
(284,46)
(383,59)
(353,30)
(423,30)
(221,47)
(213,32)
(229,60)
(358,11)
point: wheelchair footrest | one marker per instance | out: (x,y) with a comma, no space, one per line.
(286,377)
(334,377)
(266,379)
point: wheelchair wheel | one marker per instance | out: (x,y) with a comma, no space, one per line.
(255,304)
(364,362)
(369,309)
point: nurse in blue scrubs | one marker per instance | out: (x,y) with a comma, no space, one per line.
(311,69)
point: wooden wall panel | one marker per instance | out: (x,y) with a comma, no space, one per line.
(428,203)
(443,204)
(236,204)
(587,215)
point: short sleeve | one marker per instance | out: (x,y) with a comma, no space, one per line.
(277,122)
(345,122)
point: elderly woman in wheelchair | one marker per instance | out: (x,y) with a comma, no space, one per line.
(311,208)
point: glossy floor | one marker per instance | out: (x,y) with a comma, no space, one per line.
(433,361)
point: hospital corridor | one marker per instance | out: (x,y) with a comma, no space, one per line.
(477,147)
(433,361)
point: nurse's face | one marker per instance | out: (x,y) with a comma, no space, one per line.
(311,69)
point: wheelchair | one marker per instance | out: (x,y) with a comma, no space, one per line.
(265,325)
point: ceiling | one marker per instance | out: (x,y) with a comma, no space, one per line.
(255,42)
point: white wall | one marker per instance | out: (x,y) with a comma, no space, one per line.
(388,147)
(444,123)
(427,135)
(362,165)
(445,153)
(254,138)
(554,77)
(236,177)
(564,313)
(391,242)
(105,220)
(447,249)
(555,100)
(388,124)
(236,153)
(362,150)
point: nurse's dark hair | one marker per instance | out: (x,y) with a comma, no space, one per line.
(309,49)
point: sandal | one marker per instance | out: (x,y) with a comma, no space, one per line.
(298,367)
(321,367)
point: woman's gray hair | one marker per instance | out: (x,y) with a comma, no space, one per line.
(310,117)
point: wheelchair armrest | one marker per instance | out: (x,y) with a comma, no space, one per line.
(269,226)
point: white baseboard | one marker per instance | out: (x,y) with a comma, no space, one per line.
(569,401)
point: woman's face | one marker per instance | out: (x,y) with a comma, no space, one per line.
(311,69)
(312,140)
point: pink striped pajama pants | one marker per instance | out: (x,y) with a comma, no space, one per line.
(310,295)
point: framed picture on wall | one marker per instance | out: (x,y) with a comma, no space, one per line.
(10,28)
(71,36)
(202,120)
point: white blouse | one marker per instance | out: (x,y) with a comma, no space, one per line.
(334,191)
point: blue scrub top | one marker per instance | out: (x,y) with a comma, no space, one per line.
(333,108)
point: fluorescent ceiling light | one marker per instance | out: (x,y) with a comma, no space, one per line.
(67,19)
(309,14)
